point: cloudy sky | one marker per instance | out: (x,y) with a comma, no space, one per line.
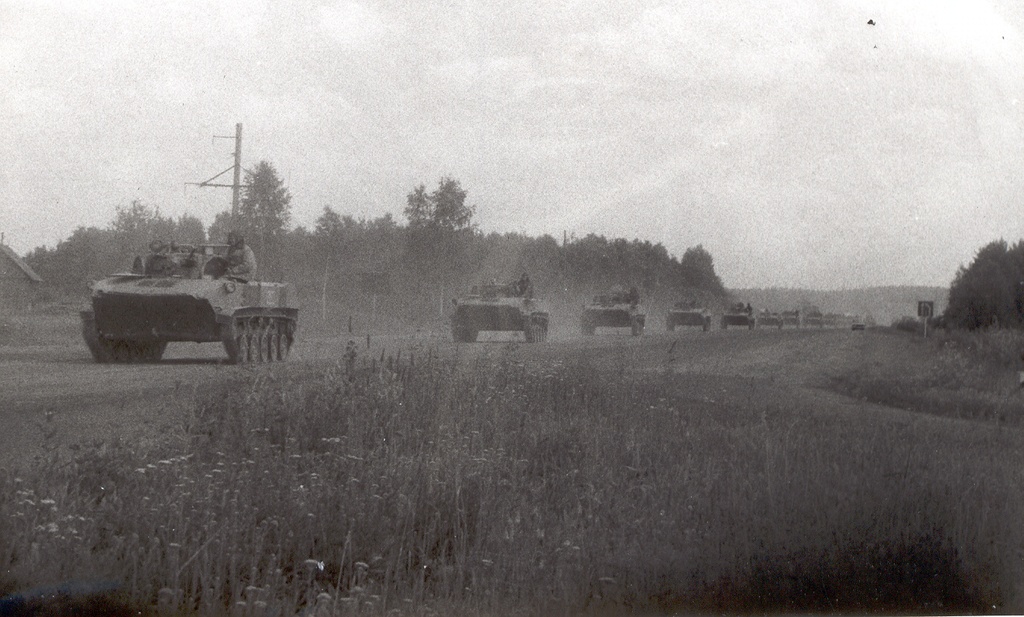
(801,145)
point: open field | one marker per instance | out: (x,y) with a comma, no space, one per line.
(728,471)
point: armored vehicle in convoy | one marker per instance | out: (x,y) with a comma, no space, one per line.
(739,314)
(499,308)
(813,318)
(616,309)
(688,314)
(791,318)
(769,319)
(187,293)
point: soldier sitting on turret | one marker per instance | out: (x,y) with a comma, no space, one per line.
(241,259)
(524,287)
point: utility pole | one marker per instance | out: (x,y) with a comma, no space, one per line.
(236,186)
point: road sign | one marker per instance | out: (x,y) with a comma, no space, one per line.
(925,308)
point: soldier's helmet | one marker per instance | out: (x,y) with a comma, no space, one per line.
(156,245)
(235,239)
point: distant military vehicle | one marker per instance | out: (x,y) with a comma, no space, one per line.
(813,318)
(738,314)
(499,308)
(688,314)
(616,309)
(769,319)
(791,318)
(186,293)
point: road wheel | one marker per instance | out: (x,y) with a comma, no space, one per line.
(536,331)
(273,338)
(248,350)
(260,340)
(287,339)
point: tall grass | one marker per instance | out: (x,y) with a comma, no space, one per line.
(959,374)
(425,485)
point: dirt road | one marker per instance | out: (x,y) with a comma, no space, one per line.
(53,395)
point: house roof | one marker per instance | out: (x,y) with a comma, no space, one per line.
(29,272)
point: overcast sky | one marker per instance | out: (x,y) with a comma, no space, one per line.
(801,145)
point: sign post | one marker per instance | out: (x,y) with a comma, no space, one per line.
(925,309)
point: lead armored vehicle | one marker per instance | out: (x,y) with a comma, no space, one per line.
(688,314)
(187,293)
(499,308)
(738,314)
(616,309)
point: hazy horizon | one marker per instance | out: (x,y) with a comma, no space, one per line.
(802,146)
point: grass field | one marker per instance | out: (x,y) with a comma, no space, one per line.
(489,485)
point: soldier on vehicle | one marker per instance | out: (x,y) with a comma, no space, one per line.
(241,259)
(524,287)
(157,262)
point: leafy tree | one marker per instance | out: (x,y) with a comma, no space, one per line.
(331,224)
(443,209)
(440,231)
(219,228)
(88,254)
(989,292)
(189,230)
(264,210)
(135,225)
(698,270)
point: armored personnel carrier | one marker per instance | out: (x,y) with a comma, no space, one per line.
(499,308)
(688,314)
(813,318)
(769,319)
(616,309)
(738,314)
(187,293)
(791,318)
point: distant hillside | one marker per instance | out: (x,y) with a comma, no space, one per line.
(884,304)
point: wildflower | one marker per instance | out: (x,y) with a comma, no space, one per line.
(314,564)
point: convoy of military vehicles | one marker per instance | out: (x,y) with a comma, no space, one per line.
(190,293)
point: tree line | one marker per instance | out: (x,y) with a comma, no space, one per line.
(408,270)
(989,292)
